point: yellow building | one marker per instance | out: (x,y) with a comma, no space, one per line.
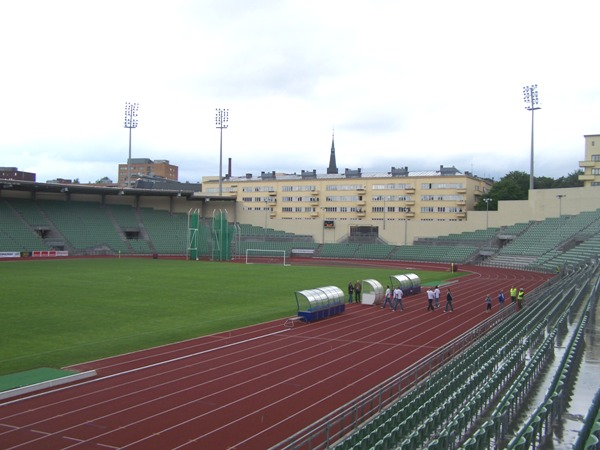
(437,195)
(591,165)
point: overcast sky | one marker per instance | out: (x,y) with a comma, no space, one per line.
(403,83)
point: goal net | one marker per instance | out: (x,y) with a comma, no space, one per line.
(259,256)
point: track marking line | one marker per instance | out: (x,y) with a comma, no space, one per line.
(141,368)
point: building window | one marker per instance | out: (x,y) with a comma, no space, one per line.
(349,187)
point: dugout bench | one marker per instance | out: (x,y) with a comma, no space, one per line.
(317,304)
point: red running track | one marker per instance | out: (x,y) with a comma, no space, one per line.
(248,388)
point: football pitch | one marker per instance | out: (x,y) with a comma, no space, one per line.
(61,312)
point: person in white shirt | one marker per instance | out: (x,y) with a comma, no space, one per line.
(398,294)
(388,298)
(430,296)
(436,296)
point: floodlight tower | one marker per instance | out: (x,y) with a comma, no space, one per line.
(131,121)
(221,121)
(530,97)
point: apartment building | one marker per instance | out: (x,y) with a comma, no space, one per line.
(591,164)
(437,195)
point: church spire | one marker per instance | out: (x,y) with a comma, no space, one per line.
(332,165)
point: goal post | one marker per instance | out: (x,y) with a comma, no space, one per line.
(260,256)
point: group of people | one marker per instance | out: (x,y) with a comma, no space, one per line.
(433,300)
(393,298)
(354,290)
(516,296)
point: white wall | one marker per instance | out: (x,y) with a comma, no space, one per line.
(542,204)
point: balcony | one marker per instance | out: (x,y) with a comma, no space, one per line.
(587,163)
(361,213)
(410,214)
(272,193)
(361,190)
(361,203)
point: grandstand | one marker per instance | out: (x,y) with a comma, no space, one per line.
(92,228)
(16,233)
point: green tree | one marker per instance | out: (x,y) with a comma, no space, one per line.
(515,186)
(571,180)
(512,186)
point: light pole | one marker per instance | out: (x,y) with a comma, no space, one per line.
(530,97)
(323,224)
(266,212)
(384,208)
(560,197)
(487,212)
(131,121)
(221,121)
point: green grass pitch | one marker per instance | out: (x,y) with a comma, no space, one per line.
(61,312)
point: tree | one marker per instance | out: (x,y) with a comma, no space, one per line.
(571,180)
(512,186)
(515,186)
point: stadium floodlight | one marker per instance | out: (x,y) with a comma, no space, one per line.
(131,121)
(221,121)
(530,97)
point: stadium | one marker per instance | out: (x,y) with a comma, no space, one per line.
(352,378)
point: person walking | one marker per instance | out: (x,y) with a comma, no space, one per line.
(350,292)
(488,303)
(436,296)
(501,299)
(357,289)
(520,298)
(398,294)
(449,302)
(388,298)
(430,300)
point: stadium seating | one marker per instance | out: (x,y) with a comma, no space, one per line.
(95,229)
(16,234)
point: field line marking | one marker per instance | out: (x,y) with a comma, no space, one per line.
(149,366)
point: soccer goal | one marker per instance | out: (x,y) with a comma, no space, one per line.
(259,256)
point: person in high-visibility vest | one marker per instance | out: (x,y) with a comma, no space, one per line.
(513,294)
(520,297)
